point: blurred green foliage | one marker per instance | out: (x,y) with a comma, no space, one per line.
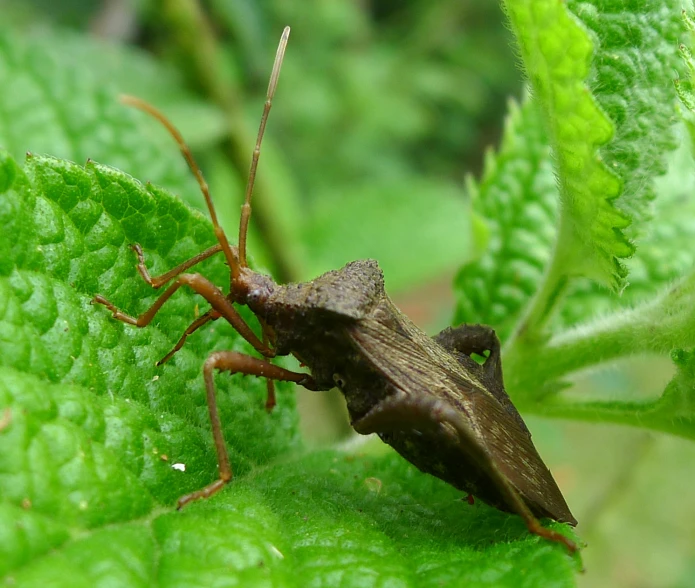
(376,99)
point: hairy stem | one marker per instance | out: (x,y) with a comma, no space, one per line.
(666,323)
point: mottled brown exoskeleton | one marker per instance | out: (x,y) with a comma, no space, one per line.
(426,397)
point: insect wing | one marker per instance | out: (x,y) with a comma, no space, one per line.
(421,369)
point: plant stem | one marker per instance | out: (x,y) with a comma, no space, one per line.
(643,415)
(658,327)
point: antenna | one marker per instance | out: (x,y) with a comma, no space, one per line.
(246,207)
(173,131)
(234,262)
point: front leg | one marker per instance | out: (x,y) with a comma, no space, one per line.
(222,306)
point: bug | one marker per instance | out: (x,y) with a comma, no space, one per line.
(425,396)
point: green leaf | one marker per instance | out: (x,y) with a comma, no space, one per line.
(71,241)
(631,73)
(629,76)
(684,87)
(517,197)
(91,429)
(664,253)
(556,50)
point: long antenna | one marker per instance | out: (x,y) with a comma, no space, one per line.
(173,131)
(246,207)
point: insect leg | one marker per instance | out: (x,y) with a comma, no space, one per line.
(469,339)
(270,400)
(234,362)
(207,290)
(159,281)
(210,315)
(403,412)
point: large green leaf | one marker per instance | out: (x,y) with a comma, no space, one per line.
(517,198)
(631,74)
(556,51)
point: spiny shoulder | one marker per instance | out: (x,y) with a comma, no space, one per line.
(351,291)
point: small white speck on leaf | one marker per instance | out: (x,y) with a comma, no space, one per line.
(155,378)
(180,467)
(276,552)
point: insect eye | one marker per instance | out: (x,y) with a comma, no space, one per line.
(339,380)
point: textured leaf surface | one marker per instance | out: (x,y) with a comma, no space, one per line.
(664,252)
(89,429)
(556,50)
(517,197)
(629,76)
(631,80)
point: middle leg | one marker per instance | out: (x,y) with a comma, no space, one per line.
(234,362)
(209,316)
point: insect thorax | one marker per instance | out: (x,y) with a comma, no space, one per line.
(309,309)
(309,319)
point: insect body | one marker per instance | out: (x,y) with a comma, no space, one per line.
(426,397)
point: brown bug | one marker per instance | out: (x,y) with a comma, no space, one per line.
(426,397)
